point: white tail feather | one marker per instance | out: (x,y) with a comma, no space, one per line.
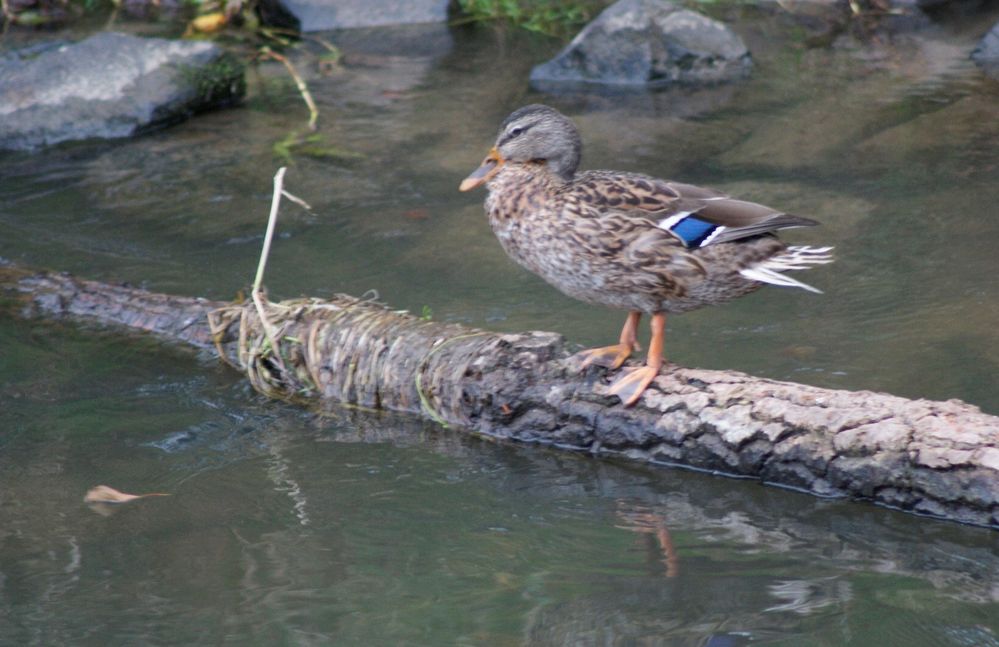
(793,258)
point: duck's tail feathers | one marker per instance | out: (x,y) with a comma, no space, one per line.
(793,258)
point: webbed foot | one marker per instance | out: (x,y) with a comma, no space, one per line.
(632,382)
(607,356)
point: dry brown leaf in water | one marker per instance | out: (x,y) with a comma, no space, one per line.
(105,494)
(105,500)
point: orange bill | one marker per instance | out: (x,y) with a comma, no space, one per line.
(489,167)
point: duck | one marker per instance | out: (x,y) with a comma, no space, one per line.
(627,240)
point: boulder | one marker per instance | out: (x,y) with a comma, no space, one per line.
(321,15)
(986,55)
(110,85)
(647,43)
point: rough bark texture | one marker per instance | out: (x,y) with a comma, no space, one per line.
(935,458)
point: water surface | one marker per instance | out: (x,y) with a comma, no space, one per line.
(362,528)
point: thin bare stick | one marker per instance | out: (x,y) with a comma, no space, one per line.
(330,47)
(8,17)
(269,330)
(300,202)
(271,223)
(258,298)
(303,89)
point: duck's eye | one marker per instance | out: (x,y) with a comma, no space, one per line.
(515,131)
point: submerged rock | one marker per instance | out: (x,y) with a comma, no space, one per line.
(829,22)
(648,42)
(110,85)
(986,55)
(381,64)
(320,15)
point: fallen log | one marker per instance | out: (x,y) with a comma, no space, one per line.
(933,458)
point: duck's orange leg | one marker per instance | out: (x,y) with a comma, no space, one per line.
(633,381)
(613,356)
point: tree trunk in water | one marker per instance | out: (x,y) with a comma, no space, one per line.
(934,458)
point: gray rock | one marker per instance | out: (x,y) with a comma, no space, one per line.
(320,15)
(647,42)
(986,55)
(110,85)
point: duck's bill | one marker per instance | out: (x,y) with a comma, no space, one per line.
(489,167)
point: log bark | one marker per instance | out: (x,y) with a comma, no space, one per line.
(934,458)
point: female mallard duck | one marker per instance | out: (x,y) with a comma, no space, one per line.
(627,240)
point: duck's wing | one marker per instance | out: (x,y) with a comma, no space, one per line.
(695,215)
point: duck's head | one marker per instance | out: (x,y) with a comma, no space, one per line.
(534,133)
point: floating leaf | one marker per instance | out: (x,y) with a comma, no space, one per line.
(104,500)
(800,352)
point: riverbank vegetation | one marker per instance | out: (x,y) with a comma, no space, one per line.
(553,17)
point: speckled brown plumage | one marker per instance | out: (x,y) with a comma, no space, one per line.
(626,240)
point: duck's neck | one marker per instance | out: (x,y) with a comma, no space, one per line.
(521,192)
(518,176)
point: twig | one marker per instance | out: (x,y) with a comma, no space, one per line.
(114,15)
(271,223)
(300,202)
(294,36)
(328,46)
(269,330)
(303,89)
(8,17)
(258,298)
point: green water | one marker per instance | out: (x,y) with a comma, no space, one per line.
(287,529)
